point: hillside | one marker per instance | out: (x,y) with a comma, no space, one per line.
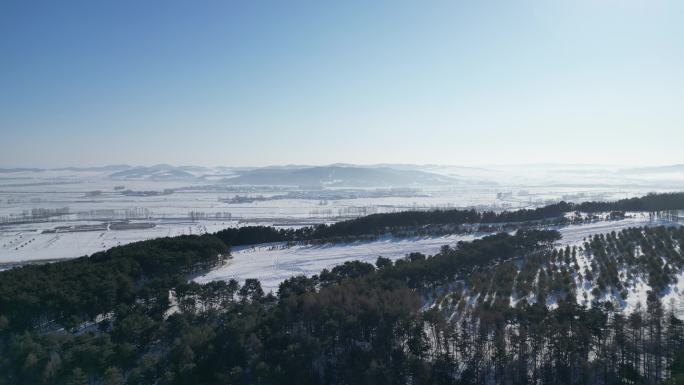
(507,308)
(338,176)
(158,172)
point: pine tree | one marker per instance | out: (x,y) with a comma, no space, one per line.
(113,376)
(78,377)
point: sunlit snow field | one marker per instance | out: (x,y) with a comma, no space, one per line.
(273,263)
(93,199)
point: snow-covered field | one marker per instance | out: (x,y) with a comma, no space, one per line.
(92,198)
(95,199)
(273,263)
(29,242)
(575,234)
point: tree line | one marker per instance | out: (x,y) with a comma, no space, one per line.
(378,224)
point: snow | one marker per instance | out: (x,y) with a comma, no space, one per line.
(22,191)
(675,296)
(575,234)
(29,243)
(274,263)
(637,295)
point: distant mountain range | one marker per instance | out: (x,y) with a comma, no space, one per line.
(292,175)
(381,175)
(343,175)
(674,168)
(158,172)
(334,176)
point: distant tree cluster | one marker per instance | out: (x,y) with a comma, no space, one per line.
(651,202)
(412,221)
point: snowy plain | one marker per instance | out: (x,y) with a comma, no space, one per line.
(164,207)
(274,263)
(95,199)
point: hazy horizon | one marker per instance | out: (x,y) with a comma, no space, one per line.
(343,164)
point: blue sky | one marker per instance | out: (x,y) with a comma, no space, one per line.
(315,82)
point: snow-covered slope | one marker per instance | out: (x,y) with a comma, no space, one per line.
(273,263)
